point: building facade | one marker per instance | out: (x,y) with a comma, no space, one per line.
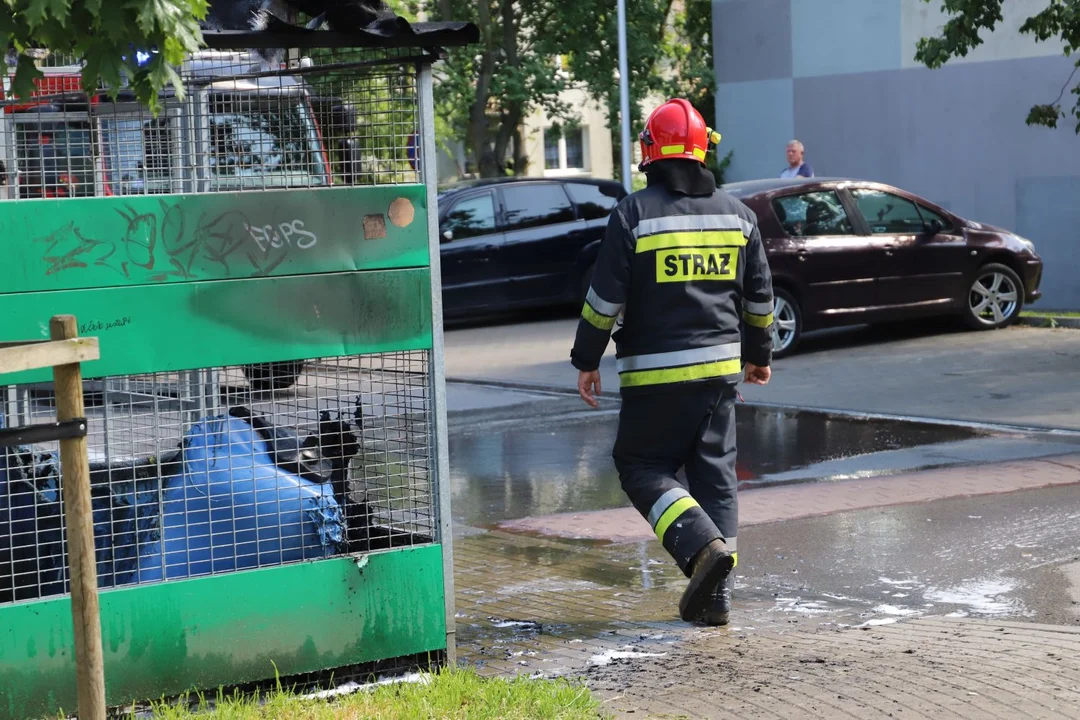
(840,76)
(578,149)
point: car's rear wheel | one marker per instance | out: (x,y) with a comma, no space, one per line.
(263,377)
(994,299)
(787,323)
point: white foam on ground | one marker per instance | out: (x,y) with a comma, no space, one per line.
(895,611)
(515,623)
(798,605)
(607,657)
(351,687)
(981,597)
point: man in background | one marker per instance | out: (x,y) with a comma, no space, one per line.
(797,166)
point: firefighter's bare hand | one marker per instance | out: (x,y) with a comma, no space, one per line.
(756,375)
(588,386)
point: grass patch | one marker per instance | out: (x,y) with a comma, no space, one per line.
(448,693)
(1045,314)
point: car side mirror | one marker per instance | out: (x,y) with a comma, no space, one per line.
(447,235)
(934,227)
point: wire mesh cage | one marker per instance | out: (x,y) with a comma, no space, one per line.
(218,469)
(223,469)
(250,120)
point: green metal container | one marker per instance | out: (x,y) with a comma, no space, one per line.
(224,264)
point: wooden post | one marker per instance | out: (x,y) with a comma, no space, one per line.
(75,482)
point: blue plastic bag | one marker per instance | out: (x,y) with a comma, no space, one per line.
(232,508)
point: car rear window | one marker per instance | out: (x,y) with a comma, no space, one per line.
(887,213)
(593,201)
(528,205)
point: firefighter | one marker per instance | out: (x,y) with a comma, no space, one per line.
(683,273)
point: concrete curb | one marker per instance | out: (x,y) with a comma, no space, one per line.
(837,413)
(1070,323)
(537,388)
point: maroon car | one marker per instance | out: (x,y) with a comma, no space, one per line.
(846,252)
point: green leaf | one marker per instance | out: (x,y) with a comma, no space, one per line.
(154,14)
(25,74)
(35,12)
(59,9)
(8,25)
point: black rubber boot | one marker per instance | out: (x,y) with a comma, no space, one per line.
(718,613)
(711,567)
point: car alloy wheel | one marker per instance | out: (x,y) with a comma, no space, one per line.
(785,324)
(995,298)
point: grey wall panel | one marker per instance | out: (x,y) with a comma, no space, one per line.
(845,36)
(755,119)
(1048,213)
(956,135)
(751,40)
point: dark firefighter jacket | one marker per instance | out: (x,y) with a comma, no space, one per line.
(689,277)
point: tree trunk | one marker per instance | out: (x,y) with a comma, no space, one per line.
(521,160)
(513,113)
(478,119)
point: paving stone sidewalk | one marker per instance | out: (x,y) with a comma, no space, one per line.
(536,599)
(927,668)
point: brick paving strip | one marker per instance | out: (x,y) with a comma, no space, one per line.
(531,602)
(926,668)
(791,502)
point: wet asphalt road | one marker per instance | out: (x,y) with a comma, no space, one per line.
(1021,376)
(989,556)
(544,467)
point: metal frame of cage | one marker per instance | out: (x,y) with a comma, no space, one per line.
(290,472)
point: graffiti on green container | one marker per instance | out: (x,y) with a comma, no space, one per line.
(171,245)
(143,240)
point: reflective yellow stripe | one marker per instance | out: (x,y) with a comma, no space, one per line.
(672,149)
(598,321)
(699,154)
(707,239)
(758,321)
(735,557)
(681,374)
(672,514)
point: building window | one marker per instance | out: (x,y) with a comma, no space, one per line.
(575,148)
(552,136)
(565,148)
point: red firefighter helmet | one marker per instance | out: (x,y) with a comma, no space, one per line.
(676,130)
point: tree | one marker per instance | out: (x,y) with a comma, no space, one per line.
(109,35)
(587,34)
(961,34)
(486,92)
(691,75)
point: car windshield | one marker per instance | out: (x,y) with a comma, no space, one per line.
(262,141)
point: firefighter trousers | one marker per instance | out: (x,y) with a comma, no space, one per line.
(687,426)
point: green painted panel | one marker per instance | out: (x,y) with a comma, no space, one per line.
(120,241)
(179,326)
(204,633)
